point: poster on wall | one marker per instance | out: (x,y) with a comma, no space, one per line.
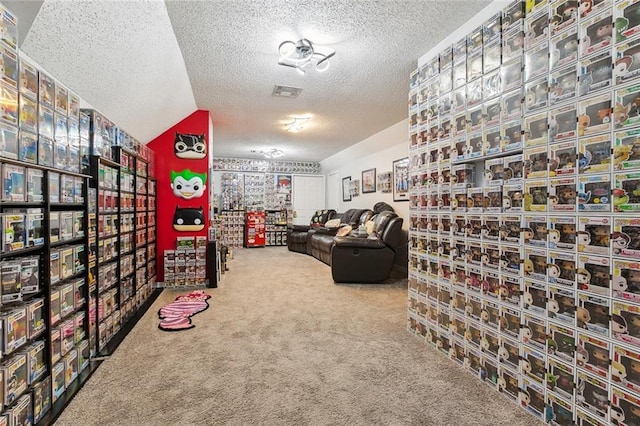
(354,188)
(346,188)
(384,182)
(369,181)
(283,188)
(401,179)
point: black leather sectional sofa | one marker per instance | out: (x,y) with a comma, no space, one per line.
(358,257)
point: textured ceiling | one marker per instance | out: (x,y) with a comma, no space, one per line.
(148,64)
(119,56)
(230,48)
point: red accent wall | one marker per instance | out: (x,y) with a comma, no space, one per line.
(166,161)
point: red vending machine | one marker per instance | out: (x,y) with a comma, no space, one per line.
(254,231)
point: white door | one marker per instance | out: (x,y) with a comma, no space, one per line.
(333,190)
(308,196)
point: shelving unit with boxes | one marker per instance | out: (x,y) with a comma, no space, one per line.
(524,226)
(276,221)
(125,231)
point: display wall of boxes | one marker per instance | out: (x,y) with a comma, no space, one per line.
(123,234)
(524,225)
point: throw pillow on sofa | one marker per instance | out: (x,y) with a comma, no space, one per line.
(344,231)
(333,223)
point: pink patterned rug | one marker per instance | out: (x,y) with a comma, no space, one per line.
(176,316)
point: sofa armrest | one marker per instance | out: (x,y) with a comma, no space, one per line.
(299,228)
(326,231)
(359,242)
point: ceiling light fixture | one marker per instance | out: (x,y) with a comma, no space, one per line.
(273,153)
(297,125)
(301,53)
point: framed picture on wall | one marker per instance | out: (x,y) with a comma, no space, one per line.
(346,188)
(369,181)
(401,179)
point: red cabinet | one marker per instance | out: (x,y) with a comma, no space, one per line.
(254,229)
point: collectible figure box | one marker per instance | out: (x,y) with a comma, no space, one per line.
(41,398)
(594,234)
(35,317)
(45,151)
(626,151)
(83,355)
(35,185)
(561,410)
(9,141)
(13,183)
(534,298)
(562,232)
(9,113)
(626,192)
(536,195)
(536,95)
(512,74)
(15,374)
(11,271)
(28,147)
(594,193)
(532,364)
(593,354)
(564,14)
(562,123)
(508,383)
(510,321)
(491,82)
(562,159)
(54,304)
(625,368)
(44,122)
(535,162)
(20,413)
(512,200)
(561,304)
(625,407)
(592,393)
(594,115)
(593,274)
(593,313)
(596,33)
(57,380)
(626,280)
(562,85)
(535,263)
(625,323)
(625,239)
(15,326)
(626,22)
(29,275)
(534,331)
(536,27)
(626,68)
(562,194)
(13,231)
(595,154)
(36,361)
(536,60)
(625,107)
(534,230)
(531,397)
(508,352)
(536,130)
(71,367)
(560,378)
(562,342)
(596,73)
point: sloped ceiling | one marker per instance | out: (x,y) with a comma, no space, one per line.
(148,64)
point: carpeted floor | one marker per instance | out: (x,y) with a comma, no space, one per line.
(282,344)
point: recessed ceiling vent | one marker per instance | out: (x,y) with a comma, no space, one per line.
(286,91)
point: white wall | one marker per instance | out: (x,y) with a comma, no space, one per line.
(377,151)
